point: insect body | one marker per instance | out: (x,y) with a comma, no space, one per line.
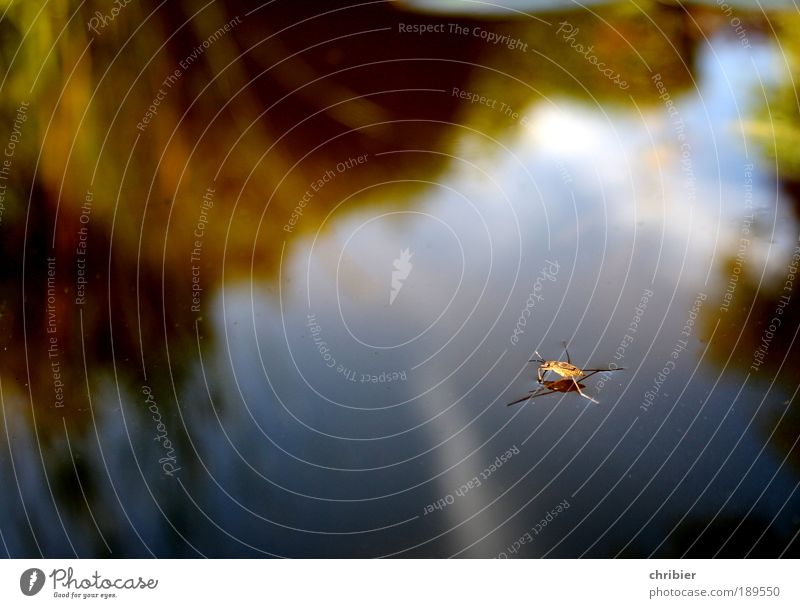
(562,368)
(569,373)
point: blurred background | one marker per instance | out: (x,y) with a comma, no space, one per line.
(213,345)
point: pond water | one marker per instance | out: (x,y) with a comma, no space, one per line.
(353,403)
(595,215)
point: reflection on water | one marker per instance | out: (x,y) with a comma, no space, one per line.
(305,324)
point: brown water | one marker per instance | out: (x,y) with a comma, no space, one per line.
(308,301)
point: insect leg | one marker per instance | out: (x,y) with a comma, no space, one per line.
(577,386)
(521,399)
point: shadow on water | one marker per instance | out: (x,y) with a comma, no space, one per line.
(199,352)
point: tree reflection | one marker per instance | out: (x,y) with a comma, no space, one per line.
(155,204)
(259,118)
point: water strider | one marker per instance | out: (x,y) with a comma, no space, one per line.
(570,376)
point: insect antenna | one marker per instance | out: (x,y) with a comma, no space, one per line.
(539,360)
